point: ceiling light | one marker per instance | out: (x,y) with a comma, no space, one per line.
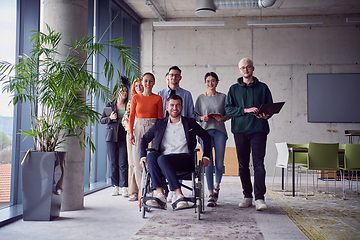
(285,22)
(205,8)
(205,12)
(353,19)
(190,24)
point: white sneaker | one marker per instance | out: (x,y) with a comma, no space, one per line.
(246,202)
(260,205)
(154,203)
(133,197)
(181,204)
(125,192)
(115,191)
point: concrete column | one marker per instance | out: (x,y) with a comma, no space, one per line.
(70,17)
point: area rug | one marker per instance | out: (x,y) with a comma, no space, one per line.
(323,215)
(320,216)
(225,221)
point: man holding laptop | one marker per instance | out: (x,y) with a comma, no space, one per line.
(250,130)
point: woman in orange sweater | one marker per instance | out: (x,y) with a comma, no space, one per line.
(146,107)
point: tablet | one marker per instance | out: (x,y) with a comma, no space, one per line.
(108,111)
(270,108)
(213,115)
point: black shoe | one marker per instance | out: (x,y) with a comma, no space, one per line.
(216,193)
(211,201)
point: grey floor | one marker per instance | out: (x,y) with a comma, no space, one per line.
(108,217)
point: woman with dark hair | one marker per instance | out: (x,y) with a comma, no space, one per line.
(146,107)
(210,113)
(115,138)
(136,88)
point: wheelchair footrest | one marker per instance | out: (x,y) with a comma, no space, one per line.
(161,204)
(187,199)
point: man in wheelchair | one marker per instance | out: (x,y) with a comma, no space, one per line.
(175,142)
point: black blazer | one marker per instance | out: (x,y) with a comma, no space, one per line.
(114,130)
(191,128)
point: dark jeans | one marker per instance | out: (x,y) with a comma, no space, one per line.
(256,143)
(167,165)
(117,153)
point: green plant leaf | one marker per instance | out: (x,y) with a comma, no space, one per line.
(56,86)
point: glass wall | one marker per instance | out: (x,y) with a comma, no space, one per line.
(121,22)
(18,18)
(7,49)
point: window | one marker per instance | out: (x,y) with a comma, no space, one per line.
(123,24)
(18,18)
(7,49)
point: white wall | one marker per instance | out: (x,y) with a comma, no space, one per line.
(282,55)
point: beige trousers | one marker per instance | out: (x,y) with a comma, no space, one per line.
(142,125)
(133,188)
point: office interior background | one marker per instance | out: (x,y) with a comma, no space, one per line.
(303,37)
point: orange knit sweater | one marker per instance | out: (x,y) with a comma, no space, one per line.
(145,107)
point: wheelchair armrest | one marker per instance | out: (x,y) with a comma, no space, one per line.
(150,149)
(196,160)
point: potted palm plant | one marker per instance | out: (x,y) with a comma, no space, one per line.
(55,87)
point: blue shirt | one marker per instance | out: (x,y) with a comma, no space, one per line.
(188,105)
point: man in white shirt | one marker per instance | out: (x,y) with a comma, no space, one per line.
(175,142)
(172,80)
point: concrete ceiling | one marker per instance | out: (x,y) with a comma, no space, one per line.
(173,9)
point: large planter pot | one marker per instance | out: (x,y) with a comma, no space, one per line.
(42,182)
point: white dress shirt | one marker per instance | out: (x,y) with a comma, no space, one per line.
(174,139)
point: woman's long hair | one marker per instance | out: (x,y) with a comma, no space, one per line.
(119,91)
(133,91)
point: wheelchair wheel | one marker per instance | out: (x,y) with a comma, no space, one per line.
(202,188)
(198,208)
(143,211)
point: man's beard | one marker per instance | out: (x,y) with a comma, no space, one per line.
(249,76)
(174,115)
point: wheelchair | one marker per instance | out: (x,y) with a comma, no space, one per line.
(196,188)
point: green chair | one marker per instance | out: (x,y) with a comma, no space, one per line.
(322,156)
(351,163)
(300,158)
(341,155)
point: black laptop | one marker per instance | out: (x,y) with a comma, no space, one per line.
(270,108)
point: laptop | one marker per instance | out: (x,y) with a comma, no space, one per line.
(270,108)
